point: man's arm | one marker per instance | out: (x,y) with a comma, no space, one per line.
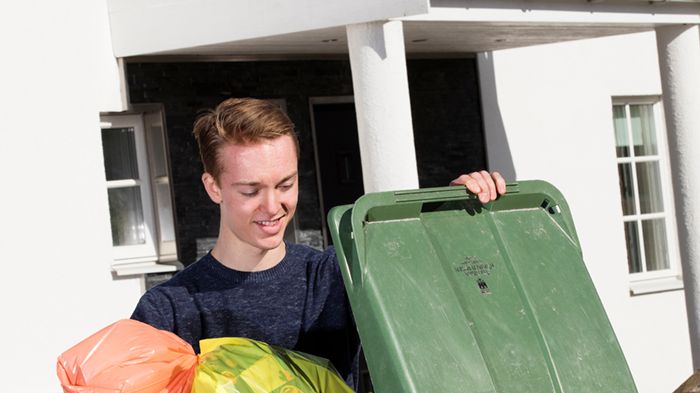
(487,186)
(156,311)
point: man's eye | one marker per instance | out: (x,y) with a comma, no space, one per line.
(286,186)
(249,193)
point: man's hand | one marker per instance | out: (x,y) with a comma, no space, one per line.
(486,185)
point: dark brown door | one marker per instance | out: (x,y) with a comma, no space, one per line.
(338,151)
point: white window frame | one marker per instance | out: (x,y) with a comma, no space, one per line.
(671,278)
(155,255)
(166,248)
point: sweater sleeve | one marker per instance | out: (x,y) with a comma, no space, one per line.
(155,309)
(329,330)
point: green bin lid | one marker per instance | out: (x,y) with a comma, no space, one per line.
(450,295)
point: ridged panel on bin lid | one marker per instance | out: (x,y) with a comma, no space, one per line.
(450,295)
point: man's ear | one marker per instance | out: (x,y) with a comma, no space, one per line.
(212,188)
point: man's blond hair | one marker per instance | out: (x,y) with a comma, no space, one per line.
(239,121)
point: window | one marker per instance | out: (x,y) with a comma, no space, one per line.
(138,191)
(645,190)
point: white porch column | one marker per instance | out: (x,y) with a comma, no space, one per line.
(385,130)
(679,62)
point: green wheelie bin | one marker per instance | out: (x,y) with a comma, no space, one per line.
(451,295)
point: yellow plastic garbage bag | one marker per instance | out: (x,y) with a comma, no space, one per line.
(243,365)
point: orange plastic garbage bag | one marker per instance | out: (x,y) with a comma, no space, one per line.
(128,357)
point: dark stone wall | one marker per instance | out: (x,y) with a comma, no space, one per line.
(445,108)
(447,124)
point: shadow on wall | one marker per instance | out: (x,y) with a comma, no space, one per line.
(498,154)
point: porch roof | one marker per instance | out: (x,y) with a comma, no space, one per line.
(316,28)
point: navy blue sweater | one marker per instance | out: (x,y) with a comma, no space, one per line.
(299,304)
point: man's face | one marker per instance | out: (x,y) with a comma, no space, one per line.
(257,191)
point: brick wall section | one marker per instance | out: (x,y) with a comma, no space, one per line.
(446,117)
(447,124)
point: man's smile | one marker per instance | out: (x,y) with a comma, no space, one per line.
(271,222)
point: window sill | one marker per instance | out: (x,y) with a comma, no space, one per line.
(138,268)
(665,284)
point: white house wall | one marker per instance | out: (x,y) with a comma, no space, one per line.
(58,73)
(548,115)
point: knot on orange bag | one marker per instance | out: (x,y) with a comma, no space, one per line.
(128,357)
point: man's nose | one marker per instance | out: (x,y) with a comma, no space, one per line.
(271,202)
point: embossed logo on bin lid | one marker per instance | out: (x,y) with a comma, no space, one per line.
(475,267)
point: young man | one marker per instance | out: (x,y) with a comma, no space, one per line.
(253,284)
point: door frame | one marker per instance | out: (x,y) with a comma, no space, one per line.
(344,99)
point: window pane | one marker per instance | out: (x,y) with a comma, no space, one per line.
(655,248)
(119,148)
(634,259)
(649,182)
(626,189)
(126,214)
(621,135)
(643,131)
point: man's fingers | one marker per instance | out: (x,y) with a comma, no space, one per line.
(464,180)
(500,182)
(475,183)
(467,181)
(487,186)
(490,184)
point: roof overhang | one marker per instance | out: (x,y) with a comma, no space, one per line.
(159,26)
(316,28)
